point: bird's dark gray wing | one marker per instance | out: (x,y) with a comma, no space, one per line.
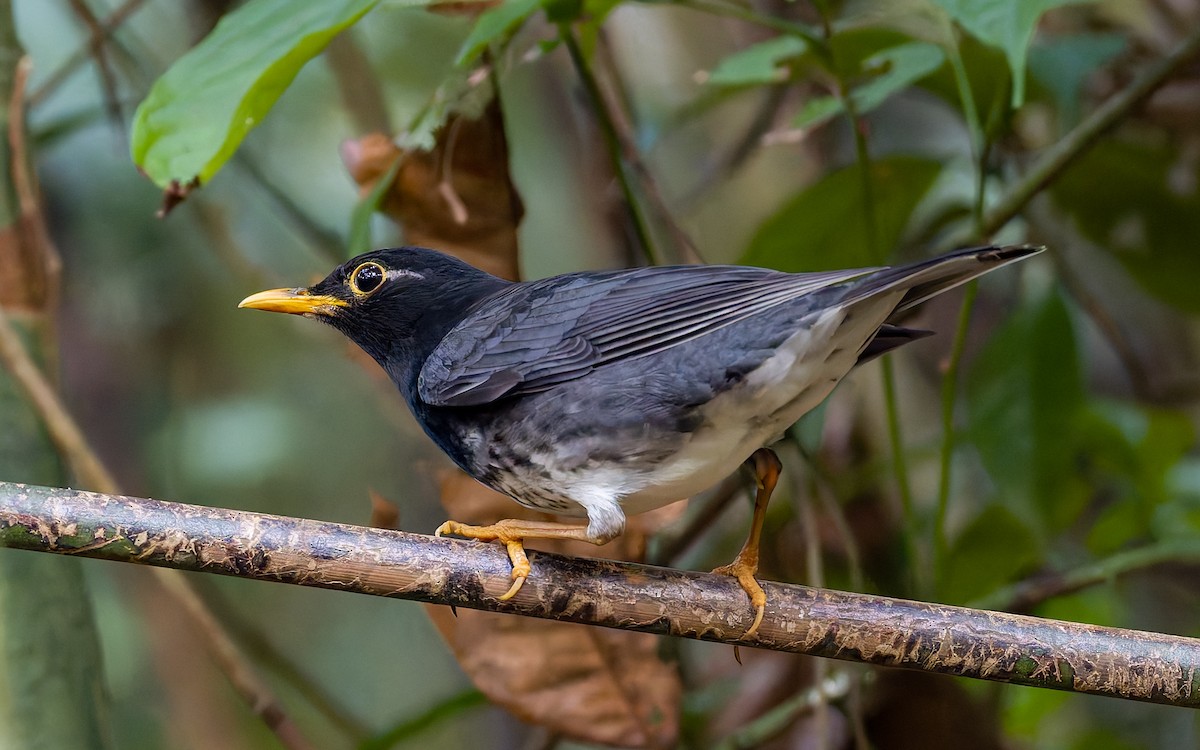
(533,336)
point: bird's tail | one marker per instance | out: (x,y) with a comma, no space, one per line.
(929,278)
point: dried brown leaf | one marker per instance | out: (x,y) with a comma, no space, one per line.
(593,685)
(22,282)
(589,684)
(30,265)
(457,198)
(384,513)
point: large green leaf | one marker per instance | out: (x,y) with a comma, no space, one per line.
(199,111)
(987,78)
(1180,517)
(1006,24)
(1137,202)
(1026,402)
(758,64)
(826,226)
(1063,65)
(784,57)
(1133,451)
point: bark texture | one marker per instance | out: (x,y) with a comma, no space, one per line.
(876,630)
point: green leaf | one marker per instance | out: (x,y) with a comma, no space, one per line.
(1181,516)
(851,48)
(1025,400)
(758,64)
(990,552)
(1139,465)
(893,70)
(1138,202)
(1006,24)
(825,226)
(817,110)
(987,78)
(1063,64)
(900,67)
(1158,440)
(494,24)
(198,112)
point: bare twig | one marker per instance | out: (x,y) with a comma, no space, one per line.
(287,668)
(612,141)
(235,664)
(815,569)
(1023,595)
(41,266)
(1130,664)
(1076,143)
(70,441)
(63,431)
(81,55)
(98,35)
(770,725)
(614,102)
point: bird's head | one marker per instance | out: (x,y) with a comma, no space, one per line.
(396,304)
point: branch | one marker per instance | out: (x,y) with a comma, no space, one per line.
(1075,144)
(856,627)
(1029,593)
(100,34)
(612,140)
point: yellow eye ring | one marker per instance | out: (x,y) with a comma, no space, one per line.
(366,279)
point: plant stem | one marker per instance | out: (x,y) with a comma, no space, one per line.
(949,397)
(1026,594)
(1076,143)
(612,141)
(870,224)
(900,467)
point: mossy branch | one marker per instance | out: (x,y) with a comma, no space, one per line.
(876,630)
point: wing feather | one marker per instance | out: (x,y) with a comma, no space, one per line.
(533,336)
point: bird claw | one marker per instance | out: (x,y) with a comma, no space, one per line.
(498,532)
(518,582)
(520,567)
(744,570)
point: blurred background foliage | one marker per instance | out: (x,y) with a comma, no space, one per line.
(1038,455)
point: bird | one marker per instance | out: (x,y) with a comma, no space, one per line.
(600,394)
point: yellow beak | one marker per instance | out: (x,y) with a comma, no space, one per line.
(293,301)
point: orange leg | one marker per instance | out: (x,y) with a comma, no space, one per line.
(511,533)
(766,468)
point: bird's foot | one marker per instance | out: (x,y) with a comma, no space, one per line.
(743,568)
(512,533)
(497,532)
(766,467)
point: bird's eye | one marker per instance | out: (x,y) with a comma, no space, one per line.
(367,278)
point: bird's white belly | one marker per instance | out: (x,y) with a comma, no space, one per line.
(755,413)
